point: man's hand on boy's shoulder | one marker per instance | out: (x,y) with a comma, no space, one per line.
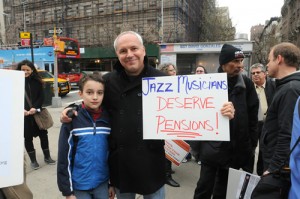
(68,113)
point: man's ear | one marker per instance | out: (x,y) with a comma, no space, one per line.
(280,59)
(223,68)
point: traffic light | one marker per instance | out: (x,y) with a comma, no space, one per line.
(59,46)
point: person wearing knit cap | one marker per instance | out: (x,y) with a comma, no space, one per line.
(230,53)
(218,157)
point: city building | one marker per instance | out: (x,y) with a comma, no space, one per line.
(256,31)
(290,29)
(95,23)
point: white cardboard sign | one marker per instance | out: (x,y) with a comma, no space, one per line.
(12,127)
(240,184)
(185,107)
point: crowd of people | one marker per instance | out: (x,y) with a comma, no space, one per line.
(252,117)
(260,110)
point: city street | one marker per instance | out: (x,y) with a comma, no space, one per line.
(42,182)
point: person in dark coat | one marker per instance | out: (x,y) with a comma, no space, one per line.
(34,91)
(136,165)
(283,64)
(217,156)
(265,88)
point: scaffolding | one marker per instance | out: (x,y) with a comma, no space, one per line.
(95,23)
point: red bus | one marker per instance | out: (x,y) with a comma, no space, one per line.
(68,61)
(72,48)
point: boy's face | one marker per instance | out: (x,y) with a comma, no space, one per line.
(92,94)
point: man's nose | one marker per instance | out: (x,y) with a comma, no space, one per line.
(129,53)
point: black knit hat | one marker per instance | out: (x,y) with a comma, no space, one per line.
(229,53)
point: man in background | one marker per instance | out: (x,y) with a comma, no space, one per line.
(265,89)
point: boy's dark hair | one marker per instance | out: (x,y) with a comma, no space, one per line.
(97,77)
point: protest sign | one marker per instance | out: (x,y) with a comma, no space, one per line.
(176,150)
(12,127)
(240,184)
(185,107)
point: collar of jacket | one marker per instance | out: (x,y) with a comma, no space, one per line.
(104,115)
(240,82)
(292,76)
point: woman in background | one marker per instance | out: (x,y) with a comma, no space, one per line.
(34,91)
(169,69)
(200,70)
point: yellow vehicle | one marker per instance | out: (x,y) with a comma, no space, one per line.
(63,84)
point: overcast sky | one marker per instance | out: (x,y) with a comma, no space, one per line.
(247,13)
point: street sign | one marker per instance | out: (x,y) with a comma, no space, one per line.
(25,35)
(25,42)
(58,31)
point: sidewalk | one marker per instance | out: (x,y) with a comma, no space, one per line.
(42,182)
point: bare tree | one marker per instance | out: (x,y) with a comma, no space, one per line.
(150,34)
(263,43)
(174,32)
(12,33)
(214,24)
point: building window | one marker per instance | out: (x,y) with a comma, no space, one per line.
(118,6)
(87,10)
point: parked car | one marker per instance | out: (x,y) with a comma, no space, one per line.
(63,84)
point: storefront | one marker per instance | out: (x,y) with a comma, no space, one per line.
(186,56)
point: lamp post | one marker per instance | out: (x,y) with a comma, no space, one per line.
(2,26)
(24,2)
(59,46)
(2,23)
(162,21)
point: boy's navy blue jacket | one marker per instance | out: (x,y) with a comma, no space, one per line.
(83,153)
